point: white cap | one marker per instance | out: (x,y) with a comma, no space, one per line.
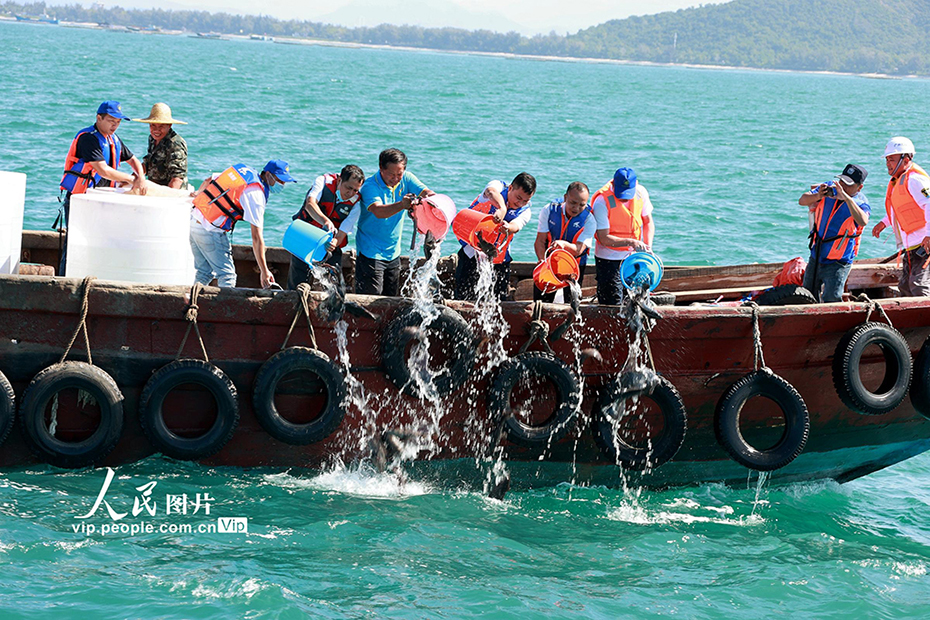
(899,145)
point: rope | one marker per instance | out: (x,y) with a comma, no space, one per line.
(537,329)
(304,289)
(190,315)
(873,305)
(758,357)
(652,361)
(82,325)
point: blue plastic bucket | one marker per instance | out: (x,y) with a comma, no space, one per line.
(641,270)
(306,241)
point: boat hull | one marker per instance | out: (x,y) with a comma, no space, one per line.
(136,329)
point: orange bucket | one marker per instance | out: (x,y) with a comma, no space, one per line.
(555,271)
(469,225)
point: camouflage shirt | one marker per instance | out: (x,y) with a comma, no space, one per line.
(166,159)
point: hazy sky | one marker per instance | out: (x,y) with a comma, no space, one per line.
(525,16)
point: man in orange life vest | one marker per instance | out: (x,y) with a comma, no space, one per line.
(839,213)
(510,207)
(93,161)
(624,225)
(237,193)
(567,223)
(330,204)
(907,211)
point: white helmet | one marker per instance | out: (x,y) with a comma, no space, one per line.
(899,145)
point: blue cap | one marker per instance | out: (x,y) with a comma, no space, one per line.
(624,183)
(112,108)
(280,169)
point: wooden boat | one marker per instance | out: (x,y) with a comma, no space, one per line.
(702,350)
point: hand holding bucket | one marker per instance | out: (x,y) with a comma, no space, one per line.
(480,231)
(307,242)
(556,270)
(641,270)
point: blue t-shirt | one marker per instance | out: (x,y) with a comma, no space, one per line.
(829,230)
(380,238)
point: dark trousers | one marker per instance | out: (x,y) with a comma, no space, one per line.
(377,277)
(538,295)
(466,278)
(300,271)
(609,285)
(64,243)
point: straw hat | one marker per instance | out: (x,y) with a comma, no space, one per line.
(160,114)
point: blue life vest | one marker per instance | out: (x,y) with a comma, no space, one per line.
(79,175)
(562,229)
(836,236)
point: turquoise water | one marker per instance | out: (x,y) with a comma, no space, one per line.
(725,154)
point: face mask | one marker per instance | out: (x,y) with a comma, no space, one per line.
(277,188)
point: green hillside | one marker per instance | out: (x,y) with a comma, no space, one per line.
(859,36)
(888,36)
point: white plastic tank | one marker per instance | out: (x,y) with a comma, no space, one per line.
(12,202)
(117,236)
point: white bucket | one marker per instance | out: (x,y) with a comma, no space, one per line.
(117,236)
(12,203)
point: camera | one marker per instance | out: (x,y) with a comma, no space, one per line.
(831,189)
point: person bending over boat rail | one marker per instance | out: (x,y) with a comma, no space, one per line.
(839,212)
(93,161)
(566,223)
(330,204)
(165,162)
(624,225)
(907,211)
(237,193)
(510,207)
(384,199)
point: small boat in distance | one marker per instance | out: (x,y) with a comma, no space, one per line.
(208,35)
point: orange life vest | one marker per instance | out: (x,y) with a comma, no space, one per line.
(848,232)
(79,174)
(220,197)
(625,216)
(908,215)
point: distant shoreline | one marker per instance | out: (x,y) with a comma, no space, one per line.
(538,57)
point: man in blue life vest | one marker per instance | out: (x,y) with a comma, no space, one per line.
(907,211)
(566,223)
(329,204)
(623,212)
(384,199)
(510,207)
(93,161)
(237,193)
(838,213)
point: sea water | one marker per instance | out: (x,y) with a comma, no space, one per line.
(724,155)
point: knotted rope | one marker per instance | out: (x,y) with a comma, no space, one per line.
(304,289)
(537,329)
(82,325)
(758,357)
(872,305)
(190,315)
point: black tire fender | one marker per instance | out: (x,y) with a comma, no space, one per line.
(898,368)
(7,407)
(920,383)
(266,383)
(44,387)
(786,295)
(563,418)
(662,298)
(450,328)
(661,450)
(797,421)
(167,378)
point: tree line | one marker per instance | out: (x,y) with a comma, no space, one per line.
(858,36)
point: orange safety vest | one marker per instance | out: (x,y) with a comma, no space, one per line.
(908,215)
(625,216)
(847,232)
(220,197)
(79,174)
